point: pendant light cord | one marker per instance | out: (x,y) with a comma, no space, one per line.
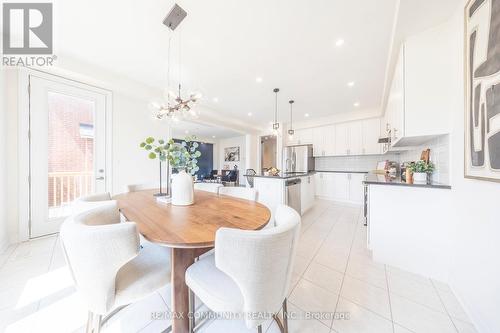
(180,65)
(276,108)
(168,70)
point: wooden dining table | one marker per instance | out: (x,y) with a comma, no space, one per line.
(189,231)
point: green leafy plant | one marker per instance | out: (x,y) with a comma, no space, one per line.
(156,148)
(422,166)
(181,156)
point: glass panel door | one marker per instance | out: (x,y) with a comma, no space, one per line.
(67,145)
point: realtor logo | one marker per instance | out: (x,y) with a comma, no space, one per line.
(27,28)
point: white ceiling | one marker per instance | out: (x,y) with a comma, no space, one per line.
(226,44)
(203,132)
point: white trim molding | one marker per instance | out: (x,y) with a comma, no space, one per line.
(24,147)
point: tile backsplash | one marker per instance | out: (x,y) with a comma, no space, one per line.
(440,156)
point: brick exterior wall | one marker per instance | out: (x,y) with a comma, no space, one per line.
(69,152)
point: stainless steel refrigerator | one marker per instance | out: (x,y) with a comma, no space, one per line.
(298,159)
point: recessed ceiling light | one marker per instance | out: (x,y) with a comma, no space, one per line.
(215,99)
(356,104)
(306,115)
(213,136)
(249,114)
(258,79)
(350,84)
(186,131)
(339,42)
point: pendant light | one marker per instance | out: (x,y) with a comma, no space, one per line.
(291,132)
(276,125)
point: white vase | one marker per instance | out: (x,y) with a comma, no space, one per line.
(420,178)
(182,189)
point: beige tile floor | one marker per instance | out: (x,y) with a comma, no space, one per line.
(334,273)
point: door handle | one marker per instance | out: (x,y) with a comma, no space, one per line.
(100,178)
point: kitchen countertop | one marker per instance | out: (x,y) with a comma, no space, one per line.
(380,179)
(342,171)
(285,175)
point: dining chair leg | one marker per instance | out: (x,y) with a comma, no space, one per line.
(259,329)
(191,311)
(97,327)
(90,323)
(285,317)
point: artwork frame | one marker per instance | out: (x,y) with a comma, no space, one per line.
(482,101)
(232,154)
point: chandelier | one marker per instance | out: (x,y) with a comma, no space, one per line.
(174,107)
(176,110)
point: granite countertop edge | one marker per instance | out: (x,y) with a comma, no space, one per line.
(398,182)
(341,171)
(305,174)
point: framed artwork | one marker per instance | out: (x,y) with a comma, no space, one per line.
(232,154)
(482,90)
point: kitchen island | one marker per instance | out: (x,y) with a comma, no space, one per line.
(408,224)
(293,189)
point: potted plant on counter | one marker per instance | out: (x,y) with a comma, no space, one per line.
(421,171)
(183,157)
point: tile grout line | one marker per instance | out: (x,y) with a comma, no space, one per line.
(9,255)
(343,277)
(389,296)
(444,305)
(315,253)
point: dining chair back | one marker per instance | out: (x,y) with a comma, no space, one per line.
(208,187)
(90,201)
(106,262)
(260,263)
(239,192)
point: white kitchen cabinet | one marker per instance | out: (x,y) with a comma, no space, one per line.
(301,137)
(420,100)
(355,135)
(342,139)
(307,192)
(323,141)
(350,138)
(356,189)
(340,186)
(371,134)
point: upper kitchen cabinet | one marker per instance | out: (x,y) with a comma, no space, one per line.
(371,134)
(323,141)
(420,98)
(341,141)
(358,137)
(301,137)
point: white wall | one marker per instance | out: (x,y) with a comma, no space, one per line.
(130,125)
(239,141)
(3,162)
(475,268)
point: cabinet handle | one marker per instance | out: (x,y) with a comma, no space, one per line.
(395,131)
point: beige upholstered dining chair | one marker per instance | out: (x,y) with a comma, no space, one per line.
(239,192)
(250,272)
(90,201)
(208,187)
(109,268)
